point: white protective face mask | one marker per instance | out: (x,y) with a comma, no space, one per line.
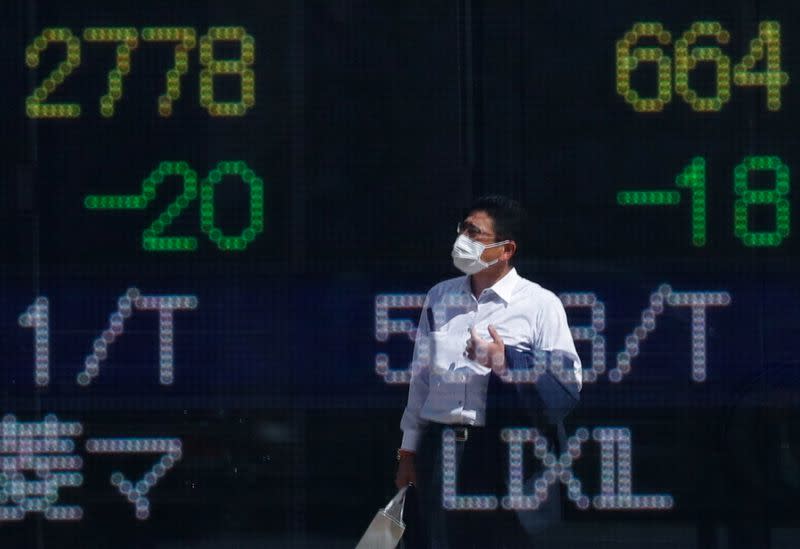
(467,254)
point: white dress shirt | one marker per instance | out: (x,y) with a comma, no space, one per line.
(448,388)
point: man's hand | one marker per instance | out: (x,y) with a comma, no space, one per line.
(406,471)
(491,354)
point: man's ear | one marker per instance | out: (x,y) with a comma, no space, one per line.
(509,250)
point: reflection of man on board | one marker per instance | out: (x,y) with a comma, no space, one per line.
(474,332)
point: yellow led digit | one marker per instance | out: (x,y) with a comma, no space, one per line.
(628,59)
(213,67)
(187,40)
(129,41)
(35,105)
(766,47)
(686,59)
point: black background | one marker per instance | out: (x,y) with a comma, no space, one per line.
(375,125)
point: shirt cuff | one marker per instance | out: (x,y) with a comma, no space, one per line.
(410,440)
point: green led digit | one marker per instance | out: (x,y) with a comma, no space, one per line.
(129,41)
(686,60)
(628,59)
(186,38)
(693,177)
(240,66)
(766,47)
(256,225)
(35,106)
(151,237)
(773,197)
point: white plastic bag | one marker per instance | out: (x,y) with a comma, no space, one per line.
(386,529)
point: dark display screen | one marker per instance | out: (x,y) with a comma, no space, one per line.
(221,219)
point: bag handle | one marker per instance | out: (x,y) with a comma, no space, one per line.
(394,509)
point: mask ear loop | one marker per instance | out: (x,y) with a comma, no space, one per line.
(496,244)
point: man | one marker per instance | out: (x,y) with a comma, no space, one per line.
(476,332)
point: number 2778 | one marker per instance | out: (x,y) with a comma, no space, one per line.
(127,40)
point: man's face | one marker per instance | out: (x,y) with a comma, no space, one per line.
(479,226)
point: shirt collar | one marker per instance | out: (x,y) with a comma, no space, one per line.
(503,288)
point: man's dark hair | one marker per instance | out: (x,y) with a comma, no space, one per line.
(508,215)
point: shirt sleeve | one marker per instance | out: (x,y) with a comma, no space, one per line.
(553,334)
(411,424)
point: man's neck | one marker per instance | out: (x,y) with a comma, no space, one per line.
(488,277)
